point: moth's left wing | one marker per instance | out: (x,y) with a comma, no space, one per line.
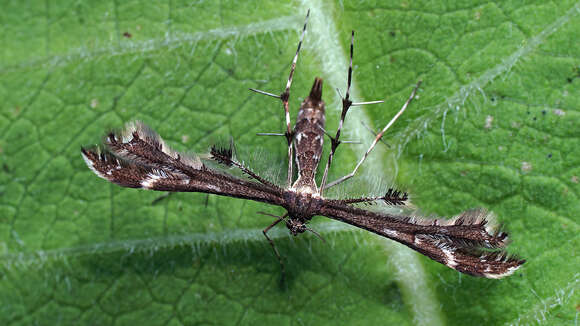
(138,158)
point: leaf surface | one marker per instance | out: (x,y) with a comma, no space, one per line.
(495,125)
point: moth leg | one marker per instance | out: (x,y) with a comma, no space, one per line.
(377,138)
(265,232)
(346,104)
(284,98)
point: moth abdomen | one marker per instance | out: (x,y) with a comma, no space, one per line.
(309,138)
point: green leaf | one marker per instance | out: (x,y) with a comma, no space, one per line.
(495,125)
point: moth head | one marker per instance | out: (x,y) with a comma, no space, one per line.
(296,226)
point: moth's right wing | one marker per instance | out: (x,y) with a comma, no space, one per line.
(470,243)
(138,158)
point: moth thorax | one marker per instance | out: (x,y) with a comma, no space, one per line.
(301,206)
(309,138)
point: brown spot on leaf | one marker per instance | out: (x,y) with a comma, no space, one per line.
(127,35)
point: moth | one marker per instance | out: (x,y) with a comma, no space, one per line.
(137,157)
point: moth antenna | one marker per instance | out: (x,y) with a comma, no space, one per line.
(272,215)
(315,233)
(377,138)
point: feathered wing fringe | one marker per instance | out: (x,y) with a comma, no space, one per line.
(125,173)
(137,157)
(140,144)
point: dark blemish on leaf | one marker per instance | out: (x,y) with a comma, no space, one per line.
(550,155)
(392,33)
(544,112)
(5,168)
(535,118)
(127,35)
(569,80)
